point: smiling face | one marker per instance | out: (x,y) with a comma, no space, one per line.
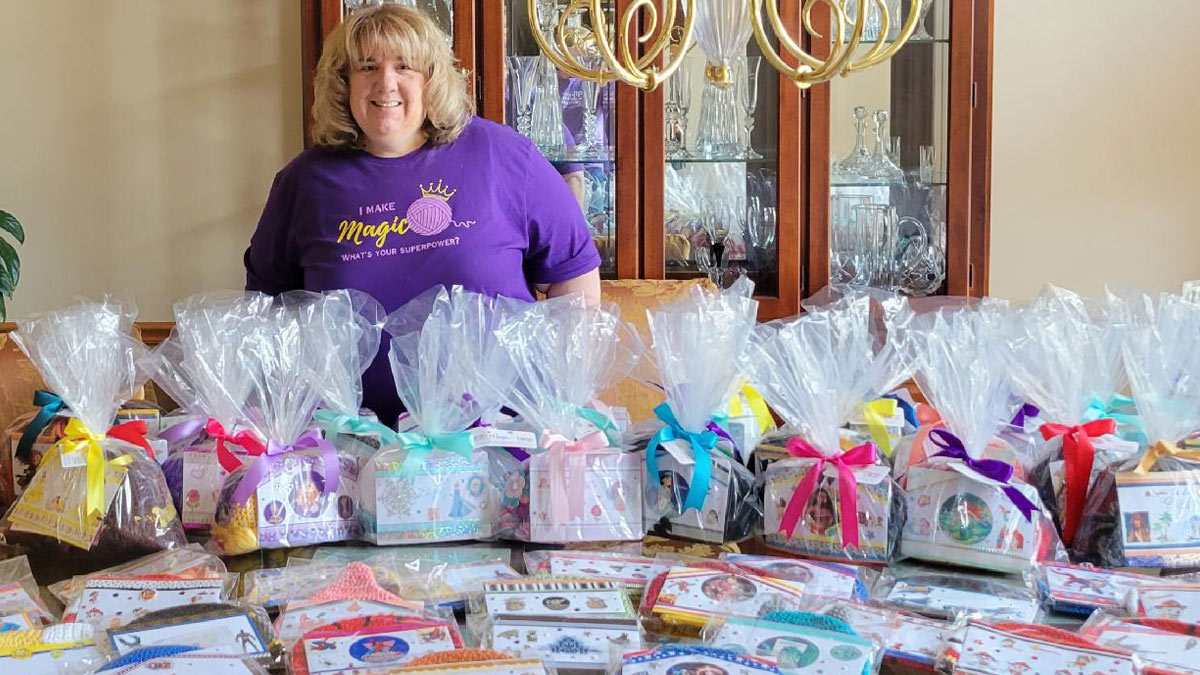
(387,102)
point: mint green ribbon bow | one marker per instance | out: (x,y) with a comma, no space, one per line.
(419,445)
(603,423)
(1133,430)
(338,423)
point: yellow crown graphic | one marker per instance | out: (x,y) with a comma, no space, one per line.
(440,191)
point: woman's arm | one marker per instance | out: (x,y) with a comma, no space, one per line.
(588,284)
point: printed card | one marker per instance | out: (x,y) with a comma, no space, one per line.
(190,663)
(665,496)
(560,597)
(986,650)
(797,649)
(299,618)
(1176,651)
(629,570)
(115,601)
(819,531)
(467,577)
(293,510)
(53,505)
(17,621)
(954,518)
(694,595)
(945,596)
(695,661)
(451,498)
(903,636)
(1079,588)
(507,667)
(203,477)
(827,579)
(565,642)
(227,635)
(381,646)
(1180,602)
(1160,518)
(612,504)
(15,598)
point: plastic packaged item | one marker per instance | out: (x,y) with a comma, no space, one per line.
(355,591)
(182,660)
(909,641)
(301,491)
(965,509)
(1164,646)
(834,497)
(1083,589)
(445,480)
(433,574)
(370,642)
(217,629)
(800,642)
(1177,601)
(946,595)
(97,490)
(202,368)
(632,571)
(62,649)
(981,648)
(189,562)
(460,662)
(696,487)
(1146,512)
(113,601)
(681,600)
(583,487)
(1065,357)
(827,579)
(678,659)
(19,592)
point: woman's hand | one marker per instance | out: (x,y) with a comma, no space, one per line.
(588,284)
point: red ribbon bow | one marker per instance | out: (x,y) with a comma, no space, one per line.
(1078,455)
(133,433)
(244,439)
(863,455)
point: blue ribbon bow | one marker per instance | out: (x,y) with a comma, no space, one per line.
(910,413)
(994,469)
(702,444)
(50,405)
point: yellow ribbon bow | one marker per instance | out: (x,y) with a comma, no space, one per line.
(874,414)
(78,438)
(1163,449)
(758,407)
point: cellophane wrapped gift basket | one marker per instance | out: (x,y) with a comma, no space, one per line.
(834,497)
(97,494)
(201,368)
(582,484)
(1145,512)
(301,490)
(963,507)
(445,479)
(696,484)
(1065,358)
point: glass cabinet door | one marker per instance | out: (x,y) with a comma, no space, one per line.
(572,121)
(888,147)
(442,11)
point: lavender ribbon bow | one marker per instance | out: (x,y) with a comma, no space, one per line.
(262,467)
(185,431)
(994,469)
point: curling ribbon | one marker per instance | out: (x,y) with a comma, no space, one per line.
(862,455)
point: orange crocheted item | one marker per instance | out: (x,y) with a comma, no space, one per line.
(459,656)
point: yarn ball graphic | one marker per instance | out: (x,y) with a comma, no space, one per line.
(429,215)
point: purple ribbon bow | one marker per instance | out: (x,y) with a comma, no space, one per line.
(721,433)
(994,469)
(1027,410)
(261,468)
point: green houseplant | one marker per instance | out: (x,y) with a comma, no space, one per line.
(10,262)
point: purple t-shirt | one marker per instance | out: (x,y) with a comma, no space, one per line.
(486,211)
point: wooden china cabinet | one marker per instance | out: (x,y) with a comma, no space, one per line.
(762,177)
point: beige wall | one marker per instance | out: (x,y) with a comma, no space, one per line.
(1096,150)
(138,139)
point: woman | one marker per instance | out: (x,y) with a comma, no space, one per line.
(406,189)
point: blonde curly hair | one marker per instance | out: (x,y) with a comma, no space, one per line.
(398,30)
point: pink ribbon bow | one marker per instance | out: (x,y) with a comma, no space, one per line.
(863,455)
(568,462)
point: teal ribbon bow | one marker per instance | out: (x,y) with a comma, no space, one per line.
(50,405)
(419,445)
(702,445)
(1131,425)
(338,423)
(603,423)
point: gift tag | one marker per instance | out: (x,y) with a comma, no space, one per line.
(565,642)
(1177,651)
(1160,518)
(234,634)
(556,598)
(797,649)
(687,660)
(944,596)
(491,437)
(693,595)
(115,601)
(987,650)
(826,579)
(374,646)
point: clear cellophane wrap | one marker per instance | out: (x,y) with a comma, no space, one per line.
(818,371)
(93,492)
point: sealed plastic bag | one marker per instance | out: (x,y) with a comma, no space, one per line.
(1065,358)
(583,487)
(301,490)
(201,368)
(1146,512)
(833,498)
(442,483)
(97,489)
(696,486)
(1164,645)
(963,508)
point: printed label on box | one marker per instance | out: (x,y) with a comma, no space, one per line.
(612,505)
(564,642)
(927,594)
(666,494)
(294,511)
(451,498)
(116,601)
(1180,602)
(831,580)
(230,635)
(630,570)
(989,651)
(695,661)
(1160,518)
(203,477)
(53,505)
(1177,651)
(298,618)
(556,598)
(373,647)
(693,595)
(1079,586)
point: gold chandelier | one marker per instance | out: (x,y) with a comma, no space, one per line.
(605,53)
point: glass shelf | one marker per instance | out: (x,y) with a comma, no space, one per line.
(914,41)
(768,157)
(884,183)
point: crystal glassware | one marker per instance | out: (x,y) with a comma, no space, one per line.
(592,143)
(679,101)
(748,90)
(844,235)
(920,33)
(522,69)
(546,125)
(881,165)
(876,239)
(925,173)
(858,162)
